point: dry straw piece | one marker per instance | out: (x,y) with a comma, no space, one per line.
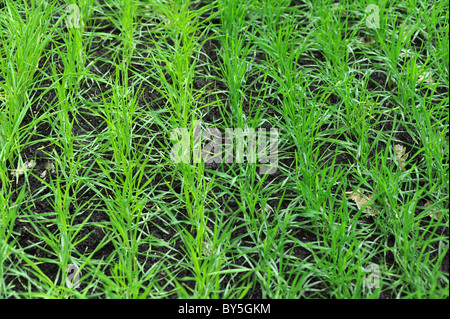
(362,200)
(400,151)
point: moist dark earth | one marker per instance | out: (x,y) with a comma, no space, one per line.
(87,123)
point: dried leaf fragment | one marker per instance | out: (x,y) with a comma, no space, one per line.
(400,151)
(207,250)
(425,77)
(433,213)
(366,40)
(50,167)
(405,53)
(21,170)
(43,174)
(267,208)
(362,200)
